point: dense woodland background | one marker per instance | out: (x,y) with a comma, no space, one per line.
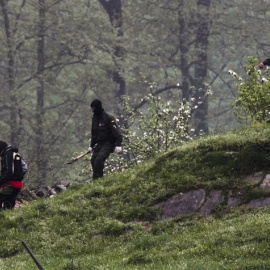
(56,56)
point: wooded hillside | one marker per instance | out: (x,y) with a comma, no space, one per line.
(56,56)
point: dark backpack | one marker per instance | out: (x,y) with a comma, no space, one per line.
(20,166)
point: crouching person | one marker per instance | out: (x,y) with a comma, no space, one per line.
(11,176)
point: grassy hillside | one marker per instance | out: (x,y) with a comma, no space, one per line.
(114,223)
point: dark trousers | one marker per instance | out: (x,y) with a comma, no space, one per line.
(99,156)
(8,201)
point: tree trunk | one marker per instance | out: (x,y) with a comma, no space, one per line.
(201,66)
(41,160)
(114,11)
(14,125)
(184,49)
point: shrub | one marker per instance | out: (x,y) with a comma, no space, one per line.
(253,102)
(170,125)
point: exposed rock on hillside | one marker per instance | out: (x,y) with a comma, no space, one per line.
(198,201)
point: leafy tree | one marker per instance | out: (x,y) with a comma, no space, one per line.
(238,30)
(253,102)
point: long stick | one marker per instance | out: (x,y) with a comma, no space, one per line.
(78,157)
(33,256)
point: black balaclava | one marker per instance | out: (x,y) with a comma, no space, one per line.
(97,104)
(3,146)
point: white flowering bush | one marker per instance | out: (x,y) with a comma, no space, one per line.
(253,102)
(162,125)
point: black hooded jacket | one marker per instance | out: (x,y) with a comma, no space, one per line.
(105,130)
(11,169)
(266,62)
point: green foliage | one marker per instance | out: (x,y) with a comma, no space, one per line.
(253,102)
(112,227)
(114,223)
(139,258)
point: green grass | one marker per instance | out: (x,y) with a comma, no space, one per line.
(113,223)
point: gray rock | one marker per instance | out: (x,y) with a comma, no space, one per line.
(266,182)
(255,178)
(259,203)
(233,202)
(183,203)
(215,197)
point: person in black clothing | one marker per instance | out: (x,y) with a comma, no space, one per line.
(11,176)
(266,62)
(106,138)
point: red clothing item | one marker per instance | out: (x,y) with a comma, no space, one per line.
(15,184)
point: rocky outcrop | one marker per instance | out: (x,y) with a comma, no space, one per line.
(214,198)
(198,201)
(183,203)
(194,201)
